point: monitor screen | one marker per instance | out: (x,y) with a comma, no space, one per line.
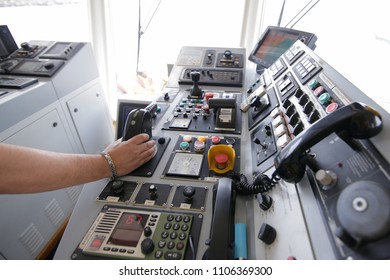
(7,42)
(275,41)
(274,45)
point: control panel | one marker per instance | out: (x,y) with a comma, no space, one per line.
(140,234)
(217,66)
(297,155)
(40,59)
(318,128)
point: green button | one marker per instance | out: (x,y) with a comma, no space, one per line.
(324,98)
(313,83)
(184,145)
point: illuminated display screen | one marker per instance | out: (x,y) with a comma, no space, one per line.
(129,229)
(274,45)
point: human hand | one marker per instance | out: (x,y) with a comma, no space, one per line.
(131,154)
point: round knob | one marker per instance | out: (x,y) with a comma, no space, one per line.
(363,210)
(319,90)
(147,231)
(227,54)
(215,140)
(117,186)
(189,191)
(26,46)
(195,76)
(326,177)
(324,98)
(184,146)
(267,234)
(313,84)
(265,201)
(147,246)
(161,140)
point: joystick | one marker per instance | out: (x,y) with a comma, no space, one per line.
(153,192)
(117,187)
(26,46)
(196,91)
(189,193)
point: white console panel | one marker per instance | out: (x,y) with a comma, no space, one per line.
(64,113)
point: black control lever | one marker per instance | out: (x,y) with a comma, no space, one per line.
(354,121)
(196,91)
(138,121)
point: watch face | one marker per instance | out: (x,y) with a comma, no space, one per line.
(180,123)
(186,164)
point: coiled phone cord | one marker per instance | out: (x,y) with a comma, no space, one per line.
(262,183)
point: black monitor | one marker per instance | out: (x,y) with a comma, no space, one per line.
(7,42)
(275,41)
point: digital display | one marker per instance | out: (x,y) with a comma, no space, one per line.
(274,42)
(274,45)
(58,48)
(129,229)
(62,50)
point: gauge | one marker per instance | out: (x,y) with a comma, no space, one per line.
(180,123)
(186,164)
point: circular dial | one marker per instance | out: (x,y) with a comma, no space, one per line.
(186,164)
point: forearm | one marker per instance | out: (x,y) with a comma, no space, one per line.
(26,170)
(29,170)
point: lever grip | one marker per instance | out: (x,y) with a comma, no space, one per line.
(355,120)
(138,121)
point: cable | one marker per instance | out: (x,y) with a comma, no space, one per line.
(192,247)
(261,184)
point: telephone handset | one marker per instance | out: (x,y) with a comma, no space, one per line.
(138,121)
(355,120)
(221,242)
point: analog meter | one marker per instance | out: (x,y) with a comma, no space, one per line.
(186,164)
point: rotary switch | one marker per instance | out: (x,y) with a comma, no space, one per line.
(267,234)
(327,178)
(265,201)
(147,246)
(117,186)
